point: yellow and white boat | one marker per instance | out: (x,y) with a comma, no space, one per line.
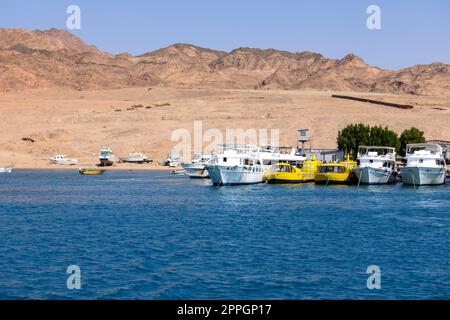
(284,173)
(91,171)
(335,173)
(309,169)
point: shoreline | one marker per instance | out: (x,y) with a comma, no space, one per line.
(110,168)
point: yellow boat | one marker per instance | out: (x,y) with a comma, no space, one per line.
(91,171)
(309,169)
(284,173)
(336,173)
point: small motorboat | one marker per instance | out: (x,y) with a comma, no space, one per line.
(91,171)
(61,159)
(309,169)
(172,162)
(136,158)
(197,168)
(284,173)
(336,173)
(106,157)
(6,169)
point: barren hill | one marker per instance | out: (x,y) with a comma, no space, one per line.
(58,59)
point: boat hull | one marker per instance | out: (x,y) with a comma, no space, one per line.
(6,170)
(368,175)
(223,175)
(283,181)
(420,176)
(284,177)
(64,162)
(195,170)
(91,172)
(138,161)
(333,178)
(106,162)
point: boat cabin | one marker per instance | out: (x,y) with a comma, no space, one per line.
(424,155)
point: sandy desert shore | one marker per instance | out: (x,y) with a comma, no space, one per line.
(79,123)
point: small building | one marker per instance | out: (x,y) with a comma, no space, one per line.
(304,138)
(326,155)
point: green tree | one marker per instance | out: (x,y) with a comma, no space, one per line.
(408,136)
(380,136)
(354,135)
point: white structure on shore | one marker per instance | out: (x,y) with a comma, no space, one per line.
(62,159)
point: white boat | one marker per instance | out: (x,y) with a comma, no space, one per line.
(244,164)
(271,155)
(235,164)
(172,160)
(6,169)
(61,159)
(136,158)
(197,169)
(106,157)
(376,165)
(425,165)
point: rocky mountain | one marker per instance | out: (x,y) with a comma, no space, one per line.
(58,59)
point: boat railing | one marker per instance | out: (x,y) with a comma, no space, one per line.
(363,151)
(240,148)
(431,147)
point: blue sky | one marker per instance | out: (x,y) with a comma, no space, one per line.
(413,32)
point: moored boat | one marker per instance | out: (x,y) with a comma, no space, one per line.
(425,165)
(62,159)
(284,173)
(245,164)
(172,160)
(91,171)
(197,169)
(335,173)
(8,169)
(106,157)
(309,169)
(136,158)
(236,164)
(376,165)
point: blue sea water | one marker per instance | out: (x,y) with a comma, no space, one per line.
(151,235)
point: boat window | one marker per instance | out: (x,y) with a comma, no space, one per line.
(420,160)
(224,159)
(370,161)
(328,169)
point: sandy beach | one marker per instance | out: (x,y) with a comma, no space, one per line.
(37,124)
